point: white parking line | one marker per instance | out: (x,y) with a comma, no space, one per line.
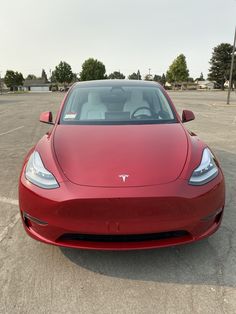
(7,200)
(13,130)
(1,112)
(10,201)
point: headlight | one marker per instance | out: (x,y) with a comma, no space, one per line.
(37,174)
(206,171)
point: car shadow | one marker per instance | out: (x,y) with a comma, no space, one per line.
(211,261)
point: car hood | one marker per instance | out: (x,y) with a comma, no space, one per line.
(121,155)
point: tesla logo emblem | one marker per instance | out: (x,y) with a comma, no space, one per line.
(123,177)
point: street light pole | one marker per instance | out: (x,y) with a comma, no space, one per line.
(231,69)
(0,84)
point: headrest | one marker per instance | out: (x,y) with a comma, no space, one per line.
(94,98)
(136,96)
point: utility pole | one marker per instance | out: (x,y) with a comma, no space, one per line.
(50,74)
(231,69)
(0,84)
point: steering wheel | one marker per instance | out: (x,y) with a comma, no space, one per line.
(143,115)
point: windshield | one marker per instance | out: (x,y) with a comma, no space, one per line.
(119,104)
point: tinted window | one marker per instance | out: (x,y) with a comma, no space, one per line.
(120,104)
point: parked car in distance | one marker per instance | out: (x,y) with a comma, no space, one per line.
(64,89)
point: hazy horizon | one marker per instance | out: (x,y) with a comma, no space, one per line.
(124,35)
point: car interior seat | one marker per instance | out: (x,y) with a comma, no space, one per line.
(94,108)
(136,101)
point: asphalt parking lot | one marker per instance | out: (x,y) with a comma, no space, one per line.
(38,278)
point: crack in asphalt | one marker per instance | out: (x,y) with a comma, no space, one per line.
(10,226)
(15,219)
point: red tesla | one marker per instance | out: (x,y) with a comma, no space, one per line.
(118,171)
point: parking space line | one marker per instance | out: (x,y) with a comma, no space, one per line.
(13,130)
(1,112)
(7,200)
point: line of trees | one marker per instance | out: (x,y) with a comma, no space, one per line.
(14,79)
(93,69)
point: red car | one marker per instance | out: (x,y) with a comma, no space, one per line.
(119,171)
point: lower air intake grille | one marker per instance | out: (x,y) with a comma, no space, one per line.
(122,237)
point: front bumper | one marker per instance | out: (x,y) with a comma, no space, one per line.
(122,218)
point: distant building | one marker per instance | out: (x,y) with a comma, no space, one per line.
(181,86)
(3,86)
(36,85)
(205,84)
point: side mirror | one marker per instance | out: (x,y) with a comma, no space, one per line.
(187,116)
(46,117)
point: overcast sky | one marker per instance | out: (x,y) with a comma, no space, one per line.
(125,35)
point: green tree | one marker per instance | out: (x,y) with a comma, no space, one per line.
(200,78)
(163,79)
(135,76)
(160,79)
(44,76)
(75,78)
(31,77)
(139,75)
(63,73)
(157,78)
(178,71)
(53,77)
(116,75)
(19,79)
(92,69)
(220,64)
(13,79)
(148,77)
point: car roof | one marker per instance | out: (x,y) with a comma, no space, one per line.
(104,83)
